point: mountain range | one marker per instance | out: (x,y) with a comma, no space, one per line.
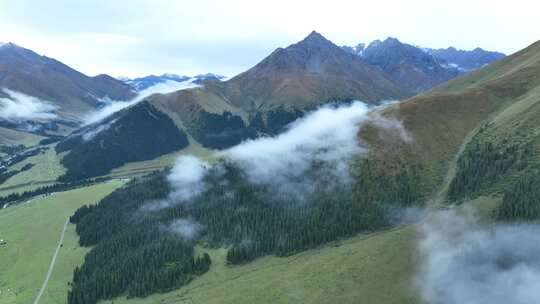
(469,139)
(470,143)
(261,101)
(142,83)
(419,69)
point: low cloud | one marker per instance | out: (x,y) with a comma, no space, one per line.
(21,107)
(326,139)
(186,178)
(115,106)
(187,229)
(327,135)
(464,261)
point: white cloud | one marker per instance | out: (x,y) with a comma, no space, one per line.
(463,261)
(186,228)
(20,106)
(115,106)
(326,139)
(186,178)
(328,135)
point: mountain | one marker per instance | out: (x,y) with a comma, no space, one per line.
(265,98)
(466,60)
(415,70)
(308,73)
(142,83)
(420,69)
(476,134)
(70,92)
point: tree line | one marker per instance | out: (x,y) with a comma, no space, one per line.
(135,252)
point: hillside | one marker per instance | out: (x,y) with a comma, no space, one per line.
(69,92)
(260,101)
(498,99)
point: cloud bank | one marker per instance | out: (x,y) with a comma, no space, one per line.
(469,263)
(115,106)
(314,153)
(20,107)
(186,178)
(187,229)
(327,137)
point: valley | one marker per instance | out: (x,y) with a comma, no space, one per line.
(322,174)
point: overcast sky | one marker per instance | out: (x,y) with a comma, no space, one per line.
(139,37)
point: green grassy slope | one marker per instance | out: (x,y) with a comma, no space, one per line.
(32,230)
(12,137)
(440,121)
(373,268)
(46,170)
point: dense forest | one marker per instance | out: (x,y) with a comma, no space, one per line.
(483,164)
(18,197)
(148,251)
(521,200)
(142,133)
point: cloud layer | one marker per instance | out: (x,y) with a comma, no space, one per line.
(327,136)
(115,106)
(314,153)
(20,107)
(469,263)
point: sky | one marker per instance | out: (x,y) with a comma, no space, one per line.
(140,37)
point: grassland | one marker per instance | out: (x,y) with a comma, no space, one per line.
(12,137)
(142,167)
(46,170)
(32,230)
(373,268)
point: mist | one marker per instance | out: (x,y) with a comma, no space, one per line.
(20,107)
(187,229)
(466,261)
(186,178)
(325,139)
(115,106)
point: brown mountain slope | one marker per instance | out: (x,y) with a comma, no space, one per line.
(72,92)
(307,73)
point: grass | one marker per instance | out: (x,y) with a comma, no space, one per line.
(46,170)
(373,268)
(32,231)
(440,121)
(142,167)
(12,137)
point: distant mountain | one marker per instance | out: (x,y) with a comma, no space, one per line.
(415,70)
(420,69)
(262,100)
(308,73)
(466,60)
(142,83)
(70,92)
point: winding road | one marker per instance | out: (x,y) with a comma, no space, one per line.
(51,266)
